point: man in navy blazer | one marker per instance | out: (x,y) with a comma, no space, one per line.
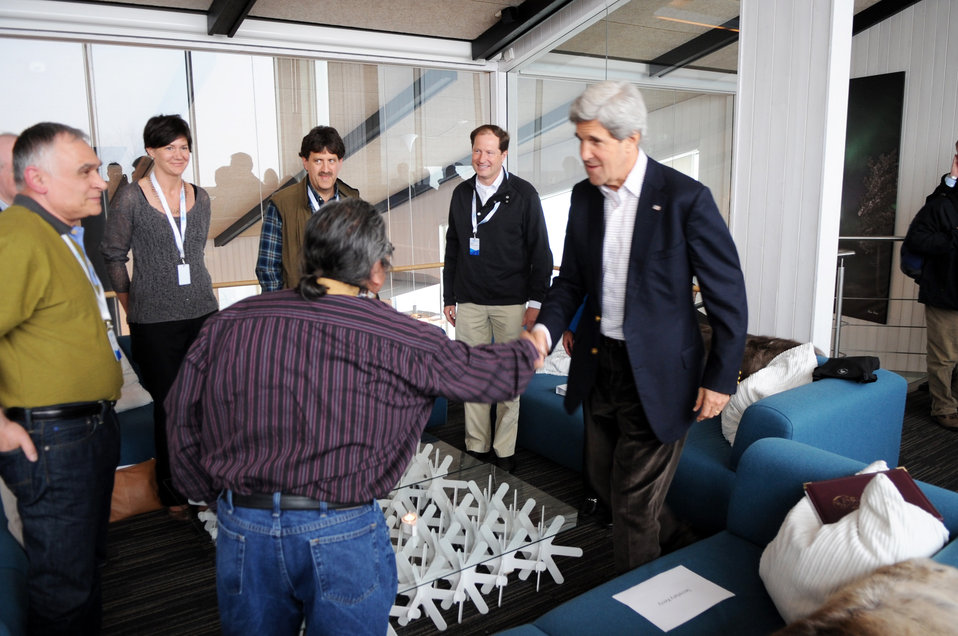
(638,232)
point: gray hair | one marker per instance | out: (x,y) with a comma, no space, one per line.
(617,105)
(344,240)
(34,145)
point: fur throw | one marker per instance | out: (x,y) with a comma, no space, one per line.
(759,350)
(919,597)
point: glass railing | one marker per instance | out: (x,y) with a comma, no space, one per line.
(890,325)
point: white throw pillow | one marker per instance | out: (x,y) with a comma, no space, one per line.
(807,561)
(787,370)
(133,394)
(557,362)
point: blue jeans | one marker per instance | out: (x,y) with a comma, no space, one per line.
(335,568)
(64,502)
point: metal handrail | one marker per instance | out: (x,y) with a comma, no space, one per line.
(861,349)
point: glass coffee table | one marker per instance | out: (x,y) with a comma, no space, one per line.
(461,527)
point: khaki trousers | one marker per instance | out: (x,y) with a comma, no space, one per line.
(480,324)
(942,359)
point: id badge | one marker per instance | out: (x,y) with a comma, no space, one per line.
(183,273)
(113,342)
(474,246)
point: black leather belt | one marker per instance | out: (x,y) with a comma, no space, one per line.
(287,502)
(612,343)
(58,411)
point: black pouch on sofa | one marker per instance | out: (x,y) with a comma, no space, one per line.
(856,368)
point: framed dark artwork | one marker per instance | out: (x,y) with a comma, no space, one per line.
(870,192)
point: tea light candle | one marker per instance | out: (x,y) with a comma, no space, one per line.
(409,520)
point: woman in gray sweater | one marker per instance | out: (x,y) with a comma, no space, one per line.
(164,222)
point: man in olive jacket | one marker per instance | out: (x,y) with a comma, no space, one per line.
(284,222)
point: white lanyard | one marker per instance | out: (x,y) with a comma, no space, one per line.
(314,203)
(475,195)
(80,255)
(178,233)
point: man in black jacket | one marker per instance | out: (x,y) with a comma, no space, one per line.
(934,235)
(497,260)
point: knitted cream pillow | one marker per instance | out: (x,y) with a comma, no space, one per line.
(787,370)
(133,394)
(807,561)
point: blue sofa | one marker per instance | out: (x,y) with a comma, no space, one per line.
(136,425)
(860,421)
(544,426)
(769,482)
(13,583)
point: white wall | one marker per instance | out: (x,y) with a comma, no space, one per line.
(705,124)
(922,41)
(788,153)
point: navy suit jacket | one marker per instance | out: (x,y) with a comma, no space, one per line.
(678,234)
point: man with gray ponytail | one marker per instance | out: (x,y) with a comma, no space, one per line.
(295,410)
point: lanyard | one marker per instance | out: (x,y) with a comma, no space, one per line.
(76,248)
(475,195)
(314,203)
(178,233)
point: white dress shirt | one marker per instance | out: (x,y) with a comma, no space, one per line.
(620,209)
(486,191)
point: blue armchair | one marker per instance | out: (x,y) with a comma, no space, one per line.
(769,482)
(859,421)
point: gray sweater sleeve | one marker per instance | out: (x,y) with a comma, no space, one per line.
(115,245)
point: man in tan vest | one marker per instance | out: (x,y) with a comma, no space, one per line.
(284,222)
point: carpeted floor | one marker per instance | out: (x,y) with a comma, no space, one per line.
(928,451)
(160,578)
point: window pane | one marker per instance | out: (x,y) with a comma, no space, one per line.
(696,127)
(132,84)
(237,154)
(406,131)
(49,81)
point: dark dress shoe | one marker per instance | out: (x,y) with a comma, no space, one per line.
(594,510)
(589,506)
(507,464)
(483,457)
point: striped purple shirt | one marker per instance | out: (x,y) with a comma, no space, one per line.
(322,398)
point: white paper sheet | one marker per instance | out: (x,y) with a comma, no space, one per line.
(673,597)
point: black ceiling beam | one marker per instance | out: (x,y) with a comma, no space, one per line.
(513,23)
(226,16)
(878,12)
(716,39)
(696,48)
